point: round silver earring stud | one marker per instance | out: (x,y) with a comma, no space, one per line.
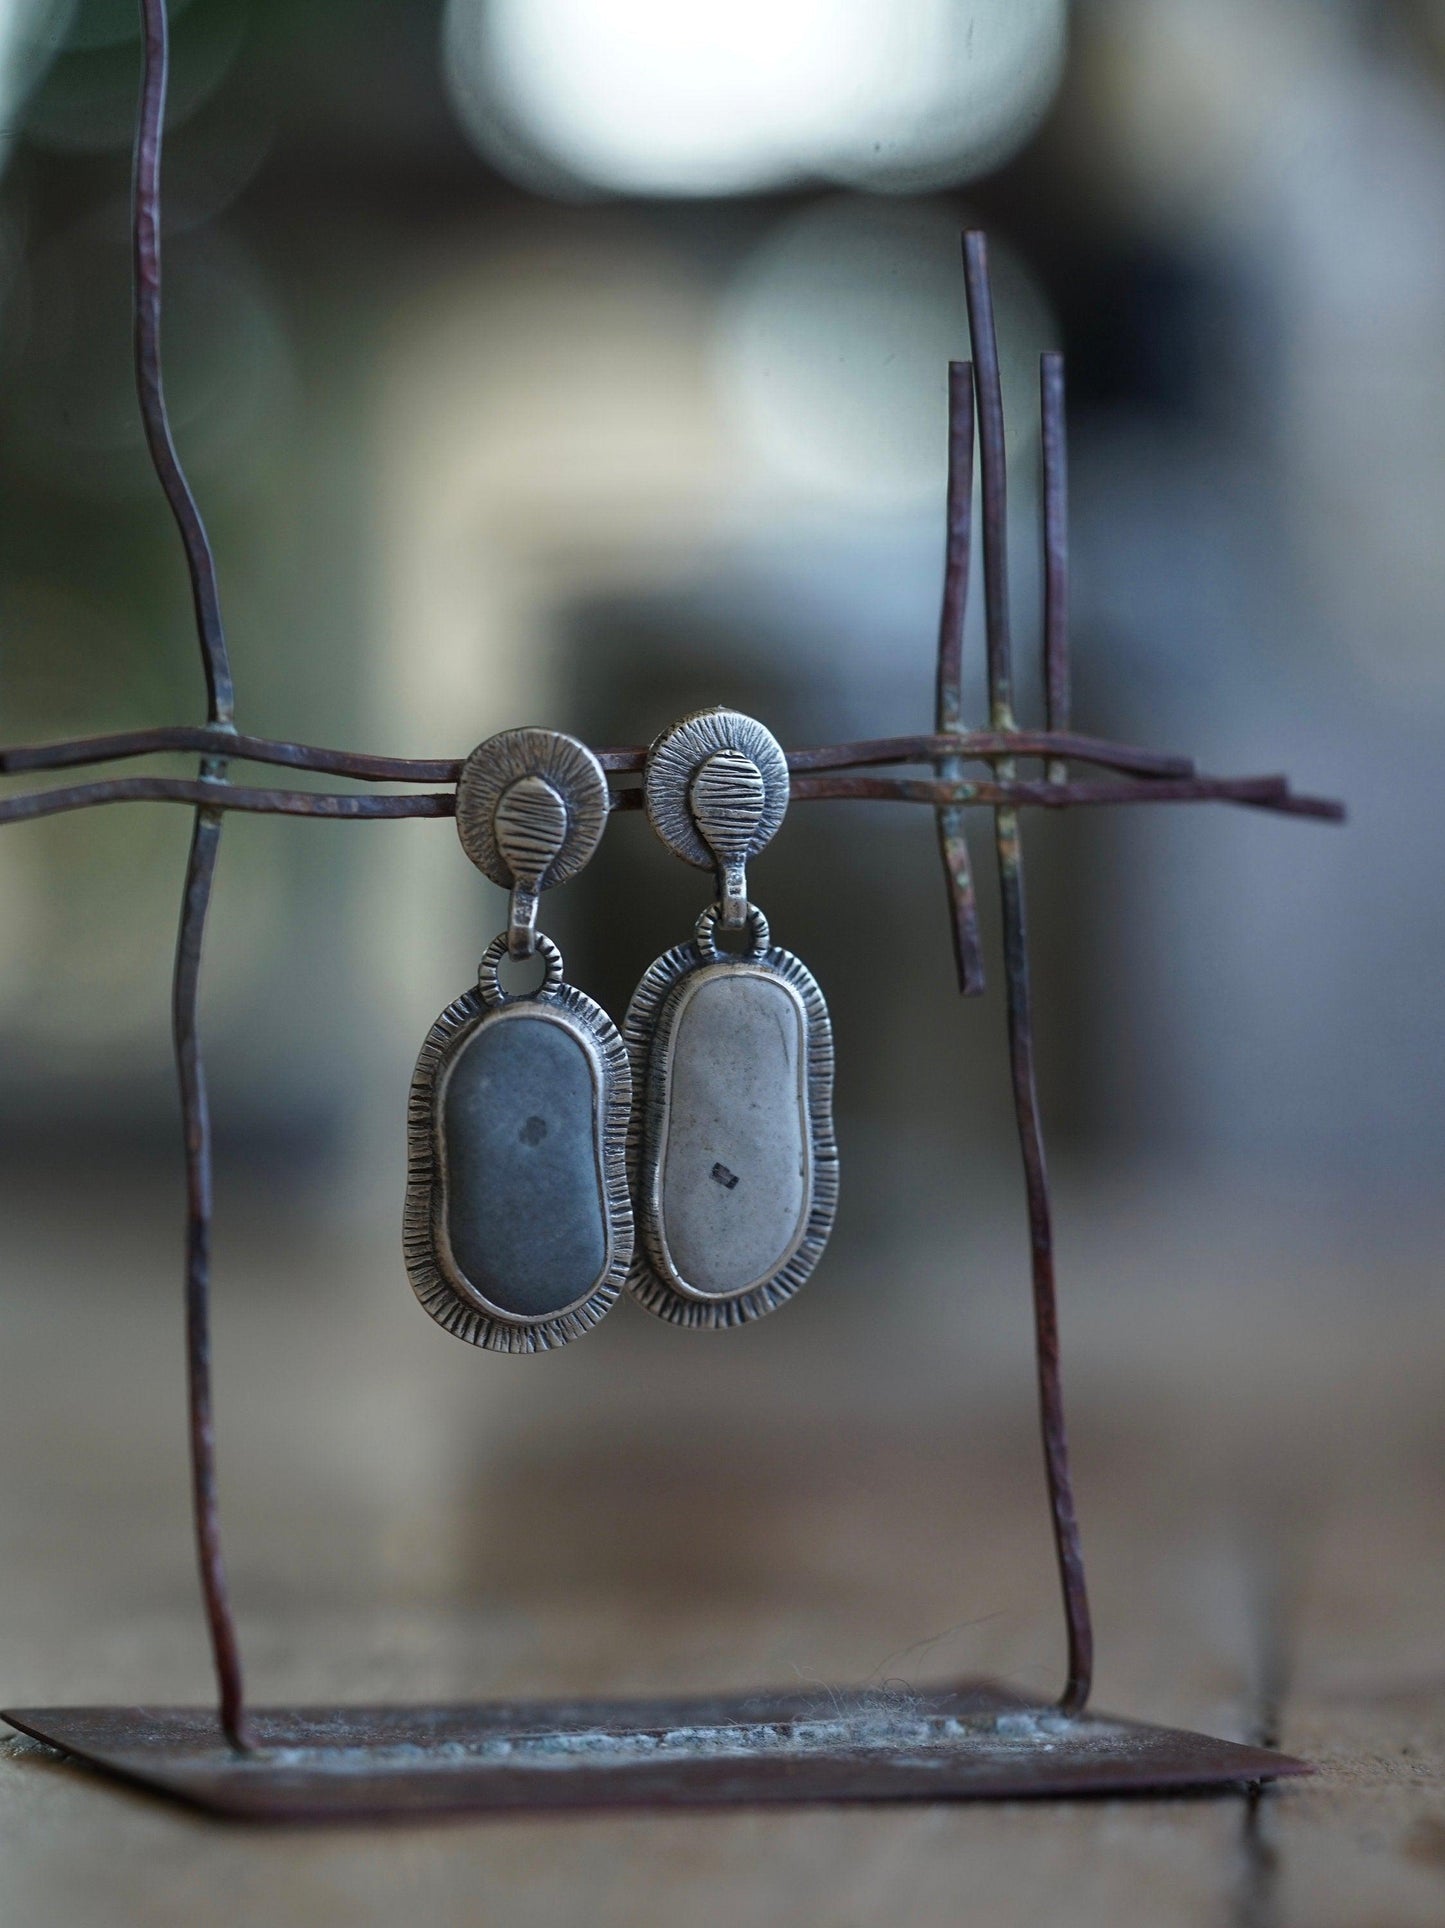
(531,808)
(732,1155)
(716,789)
(518,1228)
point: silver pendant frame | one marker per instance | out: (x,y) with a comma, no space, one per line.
(443,1291)
(648,1032)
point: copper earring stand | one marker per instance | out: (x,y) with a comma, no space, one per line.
(966,1740)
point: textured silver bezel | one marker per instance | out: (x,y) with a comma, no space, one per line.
(450,1299)
(647,1032)
(675,758)
(573,772)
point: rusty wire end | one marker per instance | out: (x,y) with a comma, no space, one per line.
(196,1115)
(150,383)
(948,704)
(1057,693)
(979,296)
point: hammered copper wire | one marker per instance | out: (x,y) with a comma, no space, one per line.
(200,866)
(948,696)
(1064,1514)
(1058,695)
(1261,793)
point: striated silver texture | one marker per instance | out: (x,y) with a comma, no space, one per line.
(530,828)
(732,1155)
(527,823)
(727,798)
(688,808)
(518,1229)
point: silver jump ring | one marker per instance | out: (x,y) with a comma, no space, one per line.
(489,985)
(759,936)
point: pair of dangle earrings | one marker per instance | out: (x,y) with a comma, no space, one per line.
(690,1159)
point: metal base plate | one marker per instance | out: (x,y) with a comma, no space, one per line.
(976,1742)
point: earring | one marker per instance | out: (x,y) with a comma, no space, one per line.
(732,1156)
(518,1225)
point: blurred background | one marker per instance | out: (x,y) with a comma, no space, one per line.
(581,362)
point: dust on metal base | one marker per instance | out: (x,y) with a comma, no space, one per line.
(975,1742)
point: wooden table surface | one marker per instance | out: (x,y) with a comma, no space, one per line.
(848,1492)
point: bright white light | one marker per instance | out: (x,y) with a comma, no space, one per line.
(670,95)
(685,97)
(951,88)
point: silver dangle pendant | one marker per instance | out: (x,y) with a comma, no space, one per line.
(733,1160)
(518,1230)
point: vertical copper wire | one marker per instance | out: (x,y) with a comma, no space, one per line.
(1019,991)
(948,709)
(200,868)
(1057,694)
(994,480)
(150,387)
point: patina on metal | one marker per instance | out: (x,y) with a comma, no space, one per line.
(1260,793)
(200,865)
(975,1741)
(531,807)
(1063,1513)
(204,739)
(733,1159)
(716,789)
(948,694)
(235,1763)
(518,1228)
